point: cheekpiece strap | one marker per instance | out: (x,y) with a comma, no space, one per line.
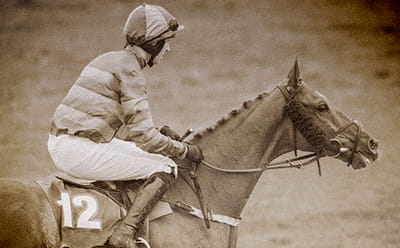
(288,92)
(284,92)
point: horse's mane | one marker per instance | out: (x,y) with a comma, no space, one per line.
(295,110)
(232,114)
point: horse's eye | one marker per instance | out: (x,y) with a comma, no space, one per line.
(323,107)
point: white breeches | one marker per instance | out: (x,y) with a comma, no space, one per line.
(116,160)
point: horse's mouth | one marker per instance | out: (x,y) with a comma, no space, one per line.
(357,159)
(361,161)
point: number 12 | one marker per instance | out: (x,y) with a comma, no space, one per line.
(84,217)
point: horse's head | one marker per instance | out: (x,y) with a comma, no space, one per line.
(324,128)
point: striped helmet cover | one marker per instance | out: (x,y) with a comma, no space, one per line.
(149,22)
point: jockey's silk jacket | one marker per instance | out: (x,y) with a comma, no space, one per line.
(110,94)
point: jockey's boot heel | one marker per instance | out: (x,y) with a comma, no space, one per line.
(151,192)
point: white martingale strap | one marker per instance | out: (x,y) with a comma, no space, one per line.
(213,217)
(142,241)
(225,219)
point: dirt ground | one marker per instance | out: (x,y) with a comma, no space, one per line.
(229,52)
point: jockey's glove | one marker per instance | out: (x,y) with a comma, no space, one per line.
(167,131)
(194,153)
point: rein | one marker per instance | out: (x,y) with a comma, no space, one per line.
(288,163)
(272,166)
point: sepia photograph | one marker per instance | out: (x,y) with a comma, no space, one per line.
(200,124)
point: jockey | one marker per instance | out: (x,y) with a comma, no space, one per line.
(109,99)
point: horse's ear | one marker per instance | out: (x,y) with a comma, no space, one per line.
(294,76)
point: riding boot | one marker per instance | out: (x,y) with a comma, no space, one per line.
(151,192)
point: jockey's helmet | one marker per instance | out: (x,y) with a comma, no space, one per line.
(148,24)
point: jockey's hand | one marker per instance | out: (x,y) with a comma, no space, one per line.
(167,131)
(194,153)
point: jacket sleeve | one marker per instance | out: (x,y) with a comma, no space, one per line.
(138,120)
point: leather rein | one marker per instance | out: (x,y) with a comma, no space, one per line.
(296,162)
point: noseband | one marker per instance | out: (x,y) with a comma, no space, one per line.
(356,142)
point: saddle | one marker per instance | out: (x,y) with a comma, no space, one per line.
(89,211)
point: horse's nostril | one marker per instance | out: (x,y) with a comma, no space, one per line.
(373,145)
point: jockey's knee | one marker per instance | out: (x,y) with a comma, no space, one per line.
(167,178)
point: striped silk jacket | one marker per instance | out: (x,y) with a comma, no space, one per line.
(110,93)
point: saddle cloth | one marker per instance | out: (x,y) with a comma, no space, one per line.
(88,213)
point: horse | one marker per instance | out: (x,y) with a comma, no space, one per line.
(237,150)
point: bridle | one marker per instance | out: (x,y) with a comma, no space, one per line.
(307,159)
(289,94)
(356,143)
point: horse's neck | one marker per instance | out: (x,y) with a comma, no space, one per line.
(249,138)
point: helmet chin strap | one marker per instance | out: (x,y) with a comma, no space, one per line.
(153,50)
(151,61)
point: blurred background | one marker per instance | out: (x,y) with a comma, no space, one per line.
(229,52)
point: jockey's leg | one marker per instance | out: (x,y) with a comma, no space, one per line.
(149,194)
(117,160)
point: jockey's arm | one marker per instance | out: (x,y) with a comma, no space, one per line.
(138,120)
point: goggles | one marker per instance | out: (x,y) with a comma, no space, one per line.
(172,27)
